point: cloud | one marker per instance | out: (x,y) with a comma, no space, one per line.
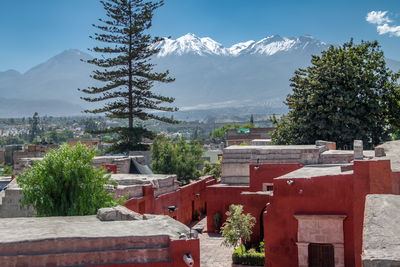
(377,17)
(392,30)
(381,19)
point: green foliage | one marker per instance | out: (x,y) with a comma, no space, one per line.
(237,227)
(6,170)
(11,141)
(347,93)
(220,132)
(126,71)
(65,183)
(217,221)
(180,157)
(262,246)
(59,137)
(129,139)
(212,168)
(251,257)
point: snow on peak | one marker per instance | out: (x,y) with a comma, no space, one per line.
(191,44)
(236,49)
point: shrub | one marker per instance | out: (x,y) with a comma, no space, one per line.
(65,183)
(262,246)
(251,257)
(237,228)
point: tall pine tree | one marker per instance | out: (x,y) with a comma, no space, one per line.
(126,71)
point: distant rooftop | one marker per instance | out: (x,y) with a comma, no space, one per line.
(311,171)
(280,147)
(126,178)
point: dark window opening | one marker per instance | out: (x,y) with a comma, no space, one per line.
(321,255)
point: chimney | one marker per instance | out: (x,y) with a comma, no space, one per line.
(358,149)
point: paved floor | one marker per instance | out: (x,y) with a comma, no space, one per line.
(212,254)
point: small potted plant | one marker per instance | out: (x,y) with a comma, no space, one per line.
(197,215)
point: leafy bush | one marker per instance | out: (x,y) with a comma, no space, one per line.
(237,227)
(251,257)
(65,183)
(261,247)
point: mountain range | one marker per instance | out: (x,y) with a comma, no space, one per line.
(248,77)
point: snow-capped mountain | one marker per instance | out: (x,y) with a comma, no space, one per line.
(248,77)
(191,44)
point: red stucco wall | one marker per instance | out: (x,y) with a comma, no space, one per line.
(339,194)
(265,173)
(187,199)
(220,197)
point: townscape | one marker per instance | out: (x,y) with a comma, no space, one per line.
(146,176)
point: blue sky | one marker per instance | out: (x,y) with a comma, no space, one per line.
(33,31)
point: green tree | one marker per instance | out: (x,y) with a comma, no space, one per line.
(65,183)
(35,129)
(212,168)
(236,230)
(347,93)
(126,71)
(220,132)
(59,137)
(180,157)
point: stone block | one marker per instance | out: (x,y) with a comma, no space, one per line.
(358,149)
(118,213)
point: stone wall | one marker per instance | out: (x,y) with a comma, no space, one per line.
(381,245)
(10,206)
(236,159)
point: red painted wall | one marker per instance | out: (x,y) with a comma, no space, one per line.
(187,199)
(265,173)
(220,197)
(178,248)
(340,194)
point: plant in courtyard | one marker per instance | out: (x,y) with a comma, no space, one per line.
(180,157)
(250,257)
(237,228)
(347,93)
(126,72)
(65,183)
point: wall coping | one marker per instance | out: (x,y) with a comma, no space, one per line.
(320,216)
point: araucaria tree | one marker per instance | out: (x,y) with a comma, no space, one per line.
(347,93)
(126,71)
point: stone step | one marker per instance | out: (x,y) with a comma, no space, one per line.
(70,245)
(84,258)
